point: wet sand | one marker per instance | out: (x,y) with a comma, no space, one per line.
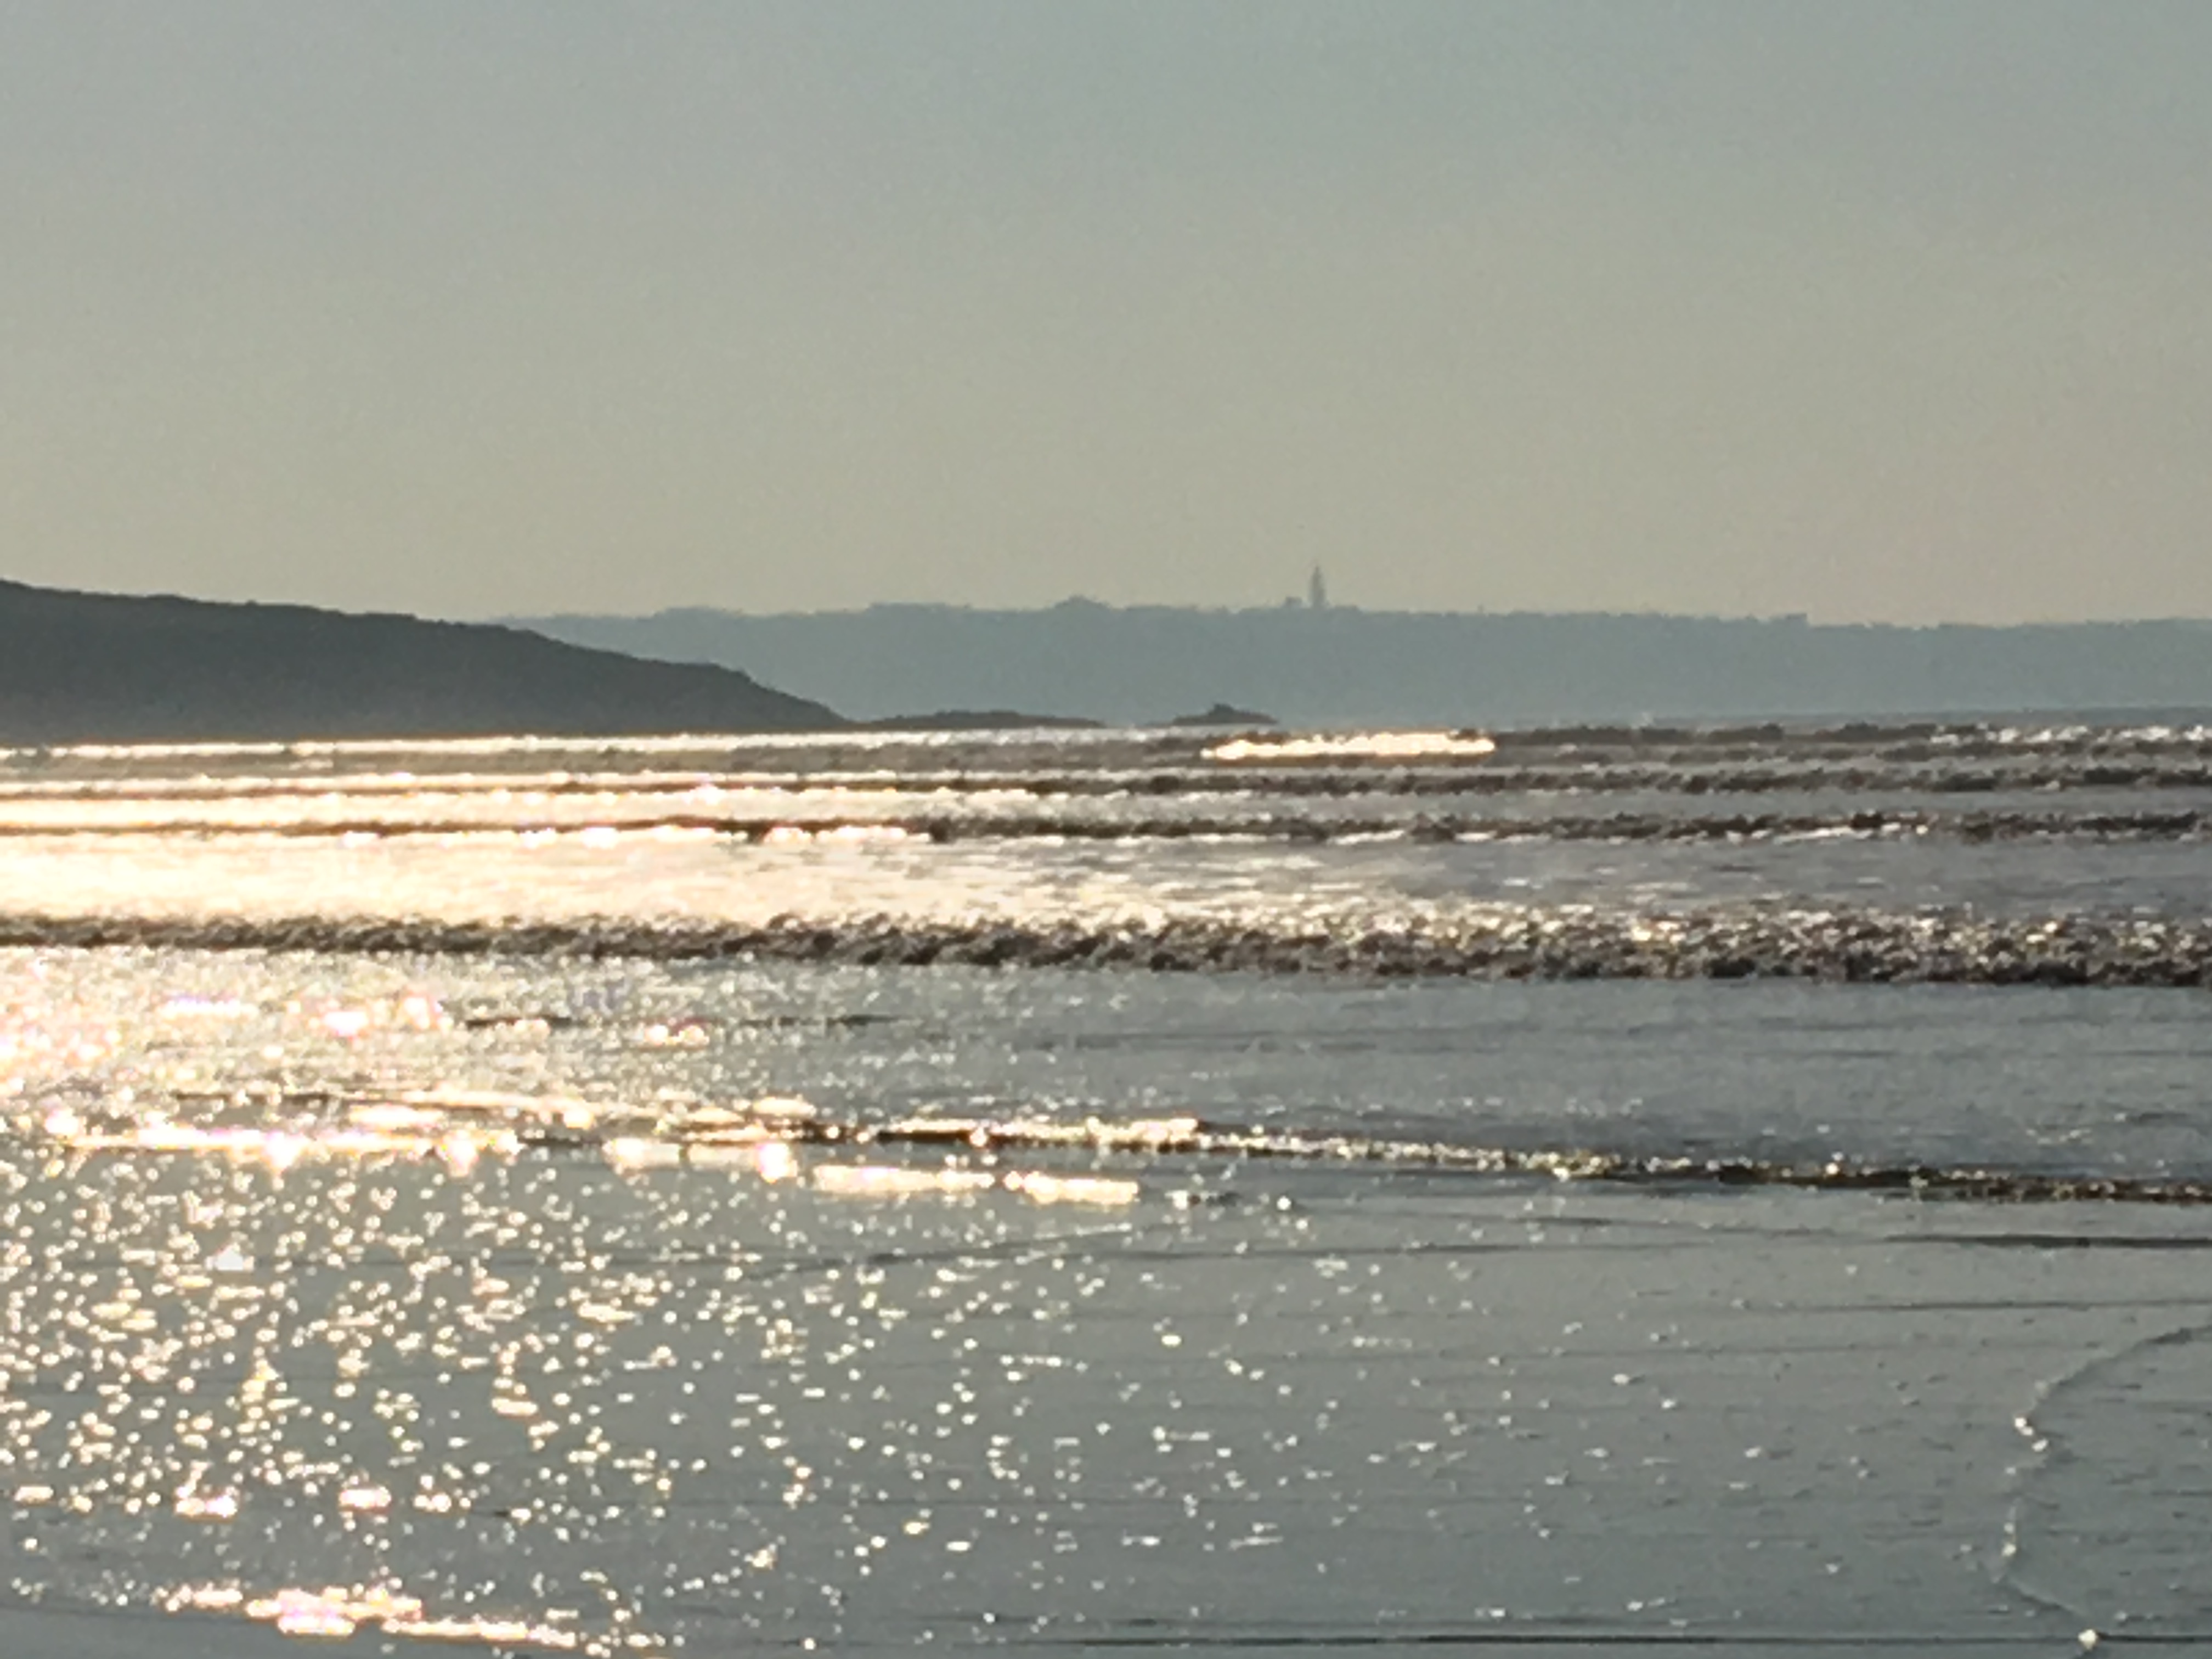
(883,1407)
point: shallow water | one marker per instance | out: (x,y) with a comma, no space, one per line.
(494,1221)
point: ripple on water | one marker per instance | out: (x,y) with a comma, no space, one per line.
(2111,1519)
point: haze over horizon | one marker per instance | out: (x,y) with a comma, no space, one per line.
(1887,312)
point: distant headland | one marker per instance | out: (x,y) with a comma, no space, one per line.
(1323,664)
(90,667)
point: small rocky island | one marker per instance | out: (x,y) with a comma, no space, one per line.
(1224,715)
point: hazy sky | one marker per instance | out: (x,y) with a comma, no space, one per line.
(1871,308)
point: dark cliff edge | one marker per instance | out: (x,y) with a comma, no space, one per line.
(101,668)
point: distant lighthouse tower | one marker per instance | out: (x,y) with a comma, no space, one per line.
(1316,591)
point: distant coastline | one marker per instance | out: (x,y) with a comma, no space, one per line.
(1338,666)
(84,667)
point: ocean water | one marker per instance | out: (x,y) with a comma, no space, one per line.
(1578,1191)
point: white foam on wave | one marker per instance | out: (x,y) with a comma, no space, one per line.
(1364,745)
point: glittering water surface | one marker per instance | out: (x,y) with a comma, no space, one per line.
(1109,1191)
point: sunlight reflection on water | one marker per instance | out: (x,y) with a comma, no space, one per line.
(581,1299)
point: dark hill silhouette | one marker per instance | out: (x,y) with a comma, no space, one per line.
(91,667)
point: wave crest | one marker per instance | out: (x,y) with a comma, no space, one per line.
(1840,946)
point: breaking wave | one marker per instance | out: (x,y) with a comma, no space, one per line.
(1860,946)
(787,1140)
(2185,824)
(1372,745)
(1692,774)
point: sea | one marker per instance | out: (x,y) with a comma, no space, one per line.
(1734,1189)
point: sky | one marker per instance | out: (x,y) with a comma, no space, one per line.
(1894,310)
